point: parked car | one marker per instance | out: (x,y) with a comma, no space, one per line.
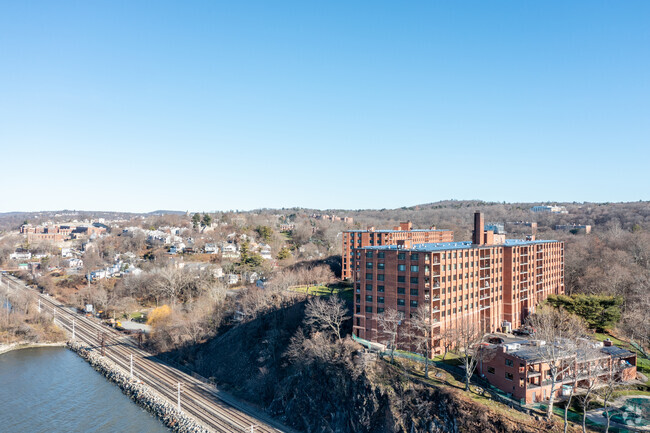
(523,332)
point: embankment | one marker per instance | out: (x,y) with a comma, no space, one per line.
(143,395)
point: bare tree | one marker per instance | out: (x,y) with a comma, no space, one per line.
(560,331)
(589,379)
(327,314)
(469,334)
(421,333)
(388,323)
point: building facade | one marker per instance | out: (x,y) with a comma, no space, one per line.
(490,284)
(363,238)
(519,368)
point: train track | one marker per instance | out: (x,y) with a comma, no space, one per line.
(214,409)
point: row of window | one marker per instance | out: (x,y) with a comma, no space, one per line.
(400,303)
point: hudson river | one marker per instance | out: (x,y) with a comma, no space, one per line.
(51,389)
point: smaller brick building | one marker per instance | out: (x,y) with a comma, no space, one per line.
(518,368)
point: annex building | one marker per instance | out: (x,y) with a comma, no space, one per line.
(490,281)
(404,232)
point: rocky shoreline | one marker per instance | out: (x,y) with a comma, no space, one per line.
(139,393)
(4,348)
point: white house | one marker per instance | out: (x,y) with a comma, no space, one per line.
(265,252)
(20,256)
(75,263)
(230,251)
(232,279)
(211,249)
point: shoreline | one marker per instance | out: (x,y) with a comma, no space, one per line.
(5,348)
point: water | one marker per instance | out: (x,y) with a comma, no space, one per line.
(53,390)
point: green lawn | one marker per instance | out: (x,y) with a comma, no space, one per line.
(343,291)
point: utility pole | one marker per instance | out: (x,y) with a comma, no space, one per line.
(102,342)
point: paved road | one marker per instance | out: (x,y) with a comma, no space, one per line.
(213,408)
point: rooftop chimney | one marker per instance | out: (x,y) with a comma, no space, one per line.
(477,237)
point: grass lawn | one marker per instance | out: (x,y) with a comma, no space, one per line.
(343,291)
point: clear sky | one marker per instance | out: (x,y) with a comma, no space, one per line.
(208,105)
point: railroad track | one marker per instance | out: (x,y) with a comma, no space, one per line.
(213,408)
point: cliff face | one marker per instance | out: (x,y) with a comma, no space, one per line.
(314,385)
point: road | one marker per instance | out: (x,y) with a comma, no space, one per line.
(213,408)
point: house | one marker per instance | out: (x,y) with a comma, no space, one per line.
(265,252)
(211,249)
(217,272)
(21,255)
(230,251)
(232,279)
(66,252)
(75,263)
(520,368)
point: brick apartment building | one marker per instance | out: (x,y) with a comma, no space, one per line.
(491,281)
(59,233)
(518,368)
(363,238)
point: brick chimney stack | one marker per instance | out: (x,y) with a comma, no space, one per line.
(477,237)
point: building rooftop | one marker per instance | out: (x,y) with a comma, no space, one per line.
(444,246)
(397,231)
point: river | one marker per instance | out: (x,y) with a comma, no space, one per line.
(51,389)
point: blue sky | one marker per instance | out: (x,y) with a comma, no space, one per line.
(137,105)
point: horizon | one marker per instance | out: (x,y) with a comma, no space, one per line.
(334,106)
(176,211)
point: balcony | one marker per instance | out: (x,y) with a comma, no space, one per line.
(484,298)
(484,307)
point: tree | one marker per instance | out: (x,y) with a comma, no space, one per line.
(600,312)
(207,220)
(388,323)
(560,331)
(283,254)
(468,335)
(196,220)
(421,330)
(265,233)
(326,314)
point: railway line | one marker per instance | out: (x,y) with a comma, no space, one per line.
(212,408)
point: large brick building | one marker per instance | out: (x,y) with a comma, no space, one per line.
(363,238)
(496,283)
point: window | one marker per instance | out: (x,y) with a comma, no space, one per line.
(369,287)
(509,362)
(401,256)
(368,298)
(380,310)
(369,265)
(401,302)
(401,279)
(414,304)
(380,289)
(401,267)
(401,290)
(368,276)
(491,370)
(509,376)
(415,268)
(381,255)
(414,280)
(414,292)
(380,266)
(358,308)
(380,277)
(369,309)
(415,256)
(358,299)
(368,253)
(380,299)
